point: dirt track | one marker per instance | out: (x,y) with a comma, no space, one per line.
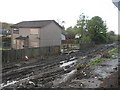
(54,72)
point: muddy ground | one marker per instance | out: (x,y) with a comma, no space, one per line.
(61,71)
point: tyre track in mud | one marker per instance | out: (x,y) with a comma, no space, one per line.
(45,72)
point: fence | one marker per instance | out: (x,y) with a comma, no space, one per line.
(19,54)
(84,46)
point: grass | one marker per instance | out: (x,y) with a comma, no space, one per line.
(69,45)
(97,61)
(105,57)
(114,51)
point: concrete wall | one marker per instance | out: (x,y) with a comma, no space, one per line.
(50,35)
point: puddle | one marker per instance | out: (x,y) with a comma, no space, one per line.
(62,62)
(13,82)
(8,83)
(68,63)
(75,50)
(73,58)
(83,57)
(62,50)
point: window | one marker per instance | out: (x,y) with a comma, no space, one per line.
(15,31)
(33,31)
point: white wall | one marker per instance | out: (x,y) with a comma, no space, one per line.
(63,37)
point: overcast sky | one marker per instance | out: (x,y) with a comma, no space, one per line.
(14,11)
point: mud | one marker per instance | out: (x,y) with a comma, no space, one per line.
(60,71)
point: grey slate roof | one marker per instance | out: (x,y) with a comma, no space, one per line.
(34,24)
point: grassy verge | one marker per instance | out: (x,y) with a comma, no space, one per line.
(104,57)
(114,51)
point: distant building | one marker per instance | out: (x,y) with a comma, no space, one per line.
(63,37)
(43,33)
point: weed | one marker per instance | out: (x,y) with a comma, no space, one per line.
(106,54)
(114,51)
(81,66)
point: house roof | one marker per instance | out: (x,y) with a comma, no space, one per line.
(34,24)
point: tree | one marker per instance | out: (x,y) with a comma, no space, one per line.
(82,28)
(72,30)
(97,29)
(111,37)
(82,24)
(6,26)
(111,33)
(93,30)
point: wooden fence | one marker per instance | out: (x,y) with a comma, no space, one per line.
(84,46)
(19,54)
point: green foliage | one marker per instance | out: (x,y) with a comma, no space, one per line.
(93,30)
(97,61)
(111,37)
(82,24)
(85,39)
(114,51)
(71,30)
(6,26)
(97,29)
